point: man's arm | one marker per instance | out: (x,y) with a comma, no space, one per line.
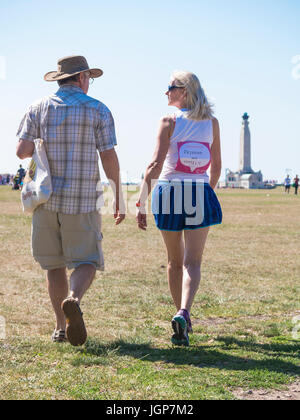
(110,163)
(28,131)
(25,149)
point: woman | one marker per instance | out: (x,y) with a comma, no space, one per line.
(296,184)
(188,143)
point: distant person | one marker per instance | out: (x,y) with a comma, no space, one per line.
(287,184)
(296,184)
(184,202)
(66,231)
(16,182)
(21,172)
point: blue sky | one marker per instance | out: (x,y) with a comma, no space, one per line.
(241,51)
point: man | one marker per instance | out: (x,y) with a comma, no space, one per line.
(287,184)
(66,231)
(21,172)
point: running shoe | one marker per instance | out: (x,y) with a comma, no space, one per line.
(181,325)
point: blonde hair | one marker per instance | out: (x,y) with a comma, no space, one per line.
(199,108)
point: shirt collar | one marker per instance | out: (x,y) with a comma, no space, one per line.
(70,88)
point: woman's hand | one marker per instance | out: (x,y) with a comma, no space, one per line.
(141,218)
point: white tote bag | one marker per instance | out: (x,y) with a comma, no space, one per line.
(37,187)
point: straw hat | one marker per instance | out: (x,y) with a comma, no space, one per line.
(70,66)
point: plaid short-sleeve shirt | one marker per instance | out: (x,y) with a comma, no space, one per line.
(73,126)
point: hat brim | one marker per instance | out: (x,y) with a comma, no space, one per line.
(54,76)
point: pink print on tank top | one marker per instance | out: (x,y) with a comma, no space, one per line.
(193,157)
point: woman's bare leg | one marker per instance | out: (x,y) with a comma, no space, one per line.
(194,246)
(175,249)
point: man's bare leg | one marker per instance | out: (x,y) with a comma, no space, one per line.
(58,291)
(81,280)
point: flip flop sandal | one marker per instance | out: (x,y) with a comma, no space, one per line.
(59,336)
(75,331)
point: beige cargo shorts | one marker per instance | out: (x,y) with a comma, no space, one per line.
(64,240)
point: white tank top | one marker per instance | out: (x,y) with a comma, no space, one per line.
(189,154)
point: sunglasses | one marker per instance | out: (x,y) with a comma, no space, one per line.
(170,88)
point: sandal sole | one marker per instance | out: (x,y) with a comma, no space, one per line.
(75,331)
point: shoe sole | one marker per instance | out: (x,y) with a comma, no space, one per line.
(59,340)
(180,337)
(75,331)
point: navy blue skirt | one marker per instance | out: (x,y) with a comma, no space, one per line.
(178,206)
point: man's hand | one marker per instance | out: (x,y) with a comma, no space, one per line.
(141,218)
(25,149)
(119,217)
(119,214)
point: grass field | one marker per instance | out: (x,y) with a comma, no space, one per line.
(243,314)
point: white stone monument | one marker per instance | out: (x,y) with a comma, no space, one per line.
(245,147)
(245,177)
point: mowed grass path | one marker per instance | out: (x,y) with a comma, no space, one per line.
(242,315)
